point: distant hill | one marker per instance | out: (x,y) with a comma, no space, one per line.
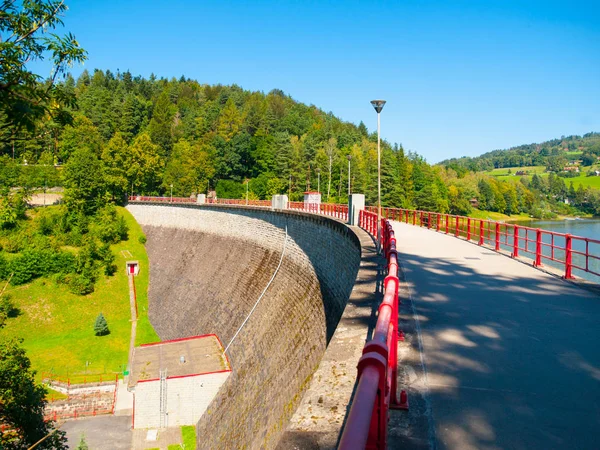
(551,154)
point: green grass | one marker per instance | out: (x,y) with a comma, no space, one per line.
(583,179)
(58,326)
(491,215)
(504,171)
(188,434)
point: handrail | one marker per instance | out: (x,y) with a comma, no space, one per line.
(565,251)
(377,389)
(329,209)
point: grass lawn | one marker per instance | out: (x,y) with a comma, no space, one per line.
(585,181)
(58,326)
(491,215)
(504,171)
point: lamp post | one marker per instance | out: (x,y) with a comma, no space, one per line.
(349,158)
(171,192)
(378,105)
(246,191)
(318,180)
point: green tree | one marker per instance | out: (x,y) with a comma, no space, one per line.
(144,171)
(26,29)
(115,160)
(22,402)
(101,326)
(161,123)
(81,133)
(84,183)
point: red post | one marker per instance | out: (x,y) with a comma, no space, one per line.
(447,218)
(538,248)
(497,236)
(468,228)
(481,237)
(456,230)
(429,221)
(568,257)
(421,218)
(515,242)
(437,222)
(414,217)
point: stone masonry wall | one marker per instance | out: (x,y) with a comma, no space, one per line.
(208,267)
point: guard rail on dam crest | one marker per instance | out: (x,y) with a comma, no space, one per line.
(574,256)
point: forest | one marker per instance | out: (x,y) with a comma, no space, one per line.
(132,135)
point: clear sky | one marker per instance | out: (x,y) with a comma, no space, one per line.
(460,77)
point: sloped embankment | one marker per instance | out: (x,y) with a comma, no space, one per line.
(209,265)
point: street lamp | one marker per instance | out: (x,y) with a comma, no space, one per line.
(171,192)
(246,191)
(378,105)
(349,158)
(318,180)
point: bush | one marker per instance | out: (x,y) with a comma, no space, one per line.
(81,285)
(101,326)
(37,263)
(110,227)
(142,239)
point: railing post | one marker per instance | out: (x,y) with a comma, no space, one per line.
(497,236)
(515,252)
(456,230)
(437,222)
(538,248)
(414,213)
(568,257)
(447,218)
(468,228)
(481,239)
(429,221)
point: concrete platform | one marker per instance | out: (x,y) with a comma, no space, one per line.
(510,353)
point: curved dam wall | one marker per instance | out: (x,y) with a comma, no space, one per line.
(208,267)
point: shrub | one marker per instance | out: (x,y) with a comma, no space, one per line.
(81,285)
(101,326)
(142,239)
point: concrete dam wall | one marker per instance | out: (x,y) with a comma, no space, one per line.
(208,267)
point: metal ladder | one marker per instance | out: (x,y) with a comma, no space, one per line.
(163,398)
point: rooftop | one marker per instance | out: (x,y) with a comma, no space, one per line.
(194,355)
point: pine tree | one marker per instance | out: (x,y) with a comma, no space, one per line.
(101,327)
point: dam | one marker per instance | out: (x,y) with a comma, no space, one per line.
(208,267)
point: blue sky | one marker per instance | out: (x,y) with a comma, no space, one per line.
(460,77)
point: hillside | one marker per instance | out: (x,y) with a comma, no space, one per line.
(554,155)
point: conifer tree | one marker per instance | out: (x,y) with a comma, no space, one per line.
(101,327)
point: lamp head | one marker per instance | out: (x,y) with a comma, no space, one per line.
(378,105)
(349,157)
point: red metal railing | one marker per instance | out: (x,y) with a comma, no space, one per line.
(328,209)
(573,255)
(377,389)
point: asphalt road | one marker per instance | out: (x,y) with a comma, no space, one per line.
(512,354)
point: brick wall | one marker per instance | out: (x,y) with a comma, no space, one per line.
(209,265)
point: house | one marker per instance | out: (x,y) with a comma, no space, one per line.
(474,202)
(520,173)
(597,173)
(173,382)
(571,169)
